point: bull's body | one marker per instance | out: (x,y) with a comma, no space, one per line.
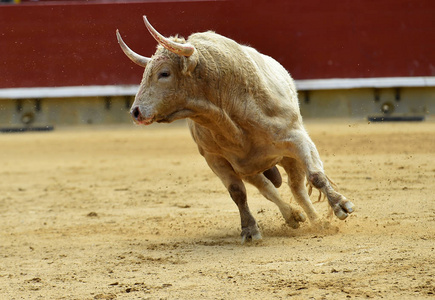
(244,116)
(255,102)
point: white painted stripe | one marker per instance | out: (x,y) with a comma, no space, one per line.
(129,90)
(69,91)
(353,83)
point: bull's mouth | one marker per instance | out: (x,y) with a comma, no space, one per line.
(148,121)
(164,119)
(153,119)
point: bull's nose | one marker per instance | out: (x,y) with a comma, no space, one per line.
(135,113)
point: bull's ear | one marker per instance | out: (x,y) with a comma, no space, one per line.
(189,63)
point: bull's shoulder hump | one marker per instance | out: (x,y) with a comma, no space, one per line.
(206,35)
(211,37)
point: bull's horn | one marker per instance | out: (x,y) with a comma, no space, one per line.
(136,58)
(177,48)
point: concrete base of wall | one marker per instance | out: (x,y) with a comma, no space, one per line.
(65,111)
(362,103)
(346,103)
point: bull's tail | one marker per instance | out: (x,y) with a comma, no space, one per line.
(274,176)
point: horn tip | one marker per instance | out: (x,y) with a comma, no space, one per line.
(148,25)
(118,35)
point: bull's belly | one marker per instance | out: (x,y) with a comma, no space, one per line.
(248,166)
(246,157)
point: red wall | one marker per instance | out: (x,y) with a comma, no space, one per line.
(74,43)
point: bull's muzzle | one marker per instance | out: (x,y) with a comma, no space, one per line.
(139,118)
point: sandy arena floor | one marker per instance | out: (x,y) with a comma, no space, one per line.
(134,213)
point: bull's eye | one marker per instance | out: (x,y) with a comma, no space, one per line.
(164,74)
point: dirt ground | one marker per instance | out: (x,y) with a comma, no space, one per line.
(134,213)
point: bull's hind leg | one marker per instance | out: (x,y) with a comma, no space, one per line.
(300,146)
(296,182)
(236,188)
(292,215)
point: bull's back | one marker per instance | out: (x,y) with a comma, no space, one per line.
(275,76)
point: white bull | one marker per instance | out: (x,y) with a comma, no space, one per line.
(243,114)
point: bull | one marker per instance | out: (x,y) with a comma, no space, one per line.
(243,113)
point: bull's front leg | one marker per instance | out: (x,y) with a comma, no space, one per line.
(292,215)
(250,228)
(223,169)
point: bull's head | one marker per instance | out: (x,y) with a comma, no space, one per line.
(161,97)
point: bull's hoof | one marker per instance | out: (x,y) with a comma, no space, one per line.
(343,209)
(296,217)
(251,233)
